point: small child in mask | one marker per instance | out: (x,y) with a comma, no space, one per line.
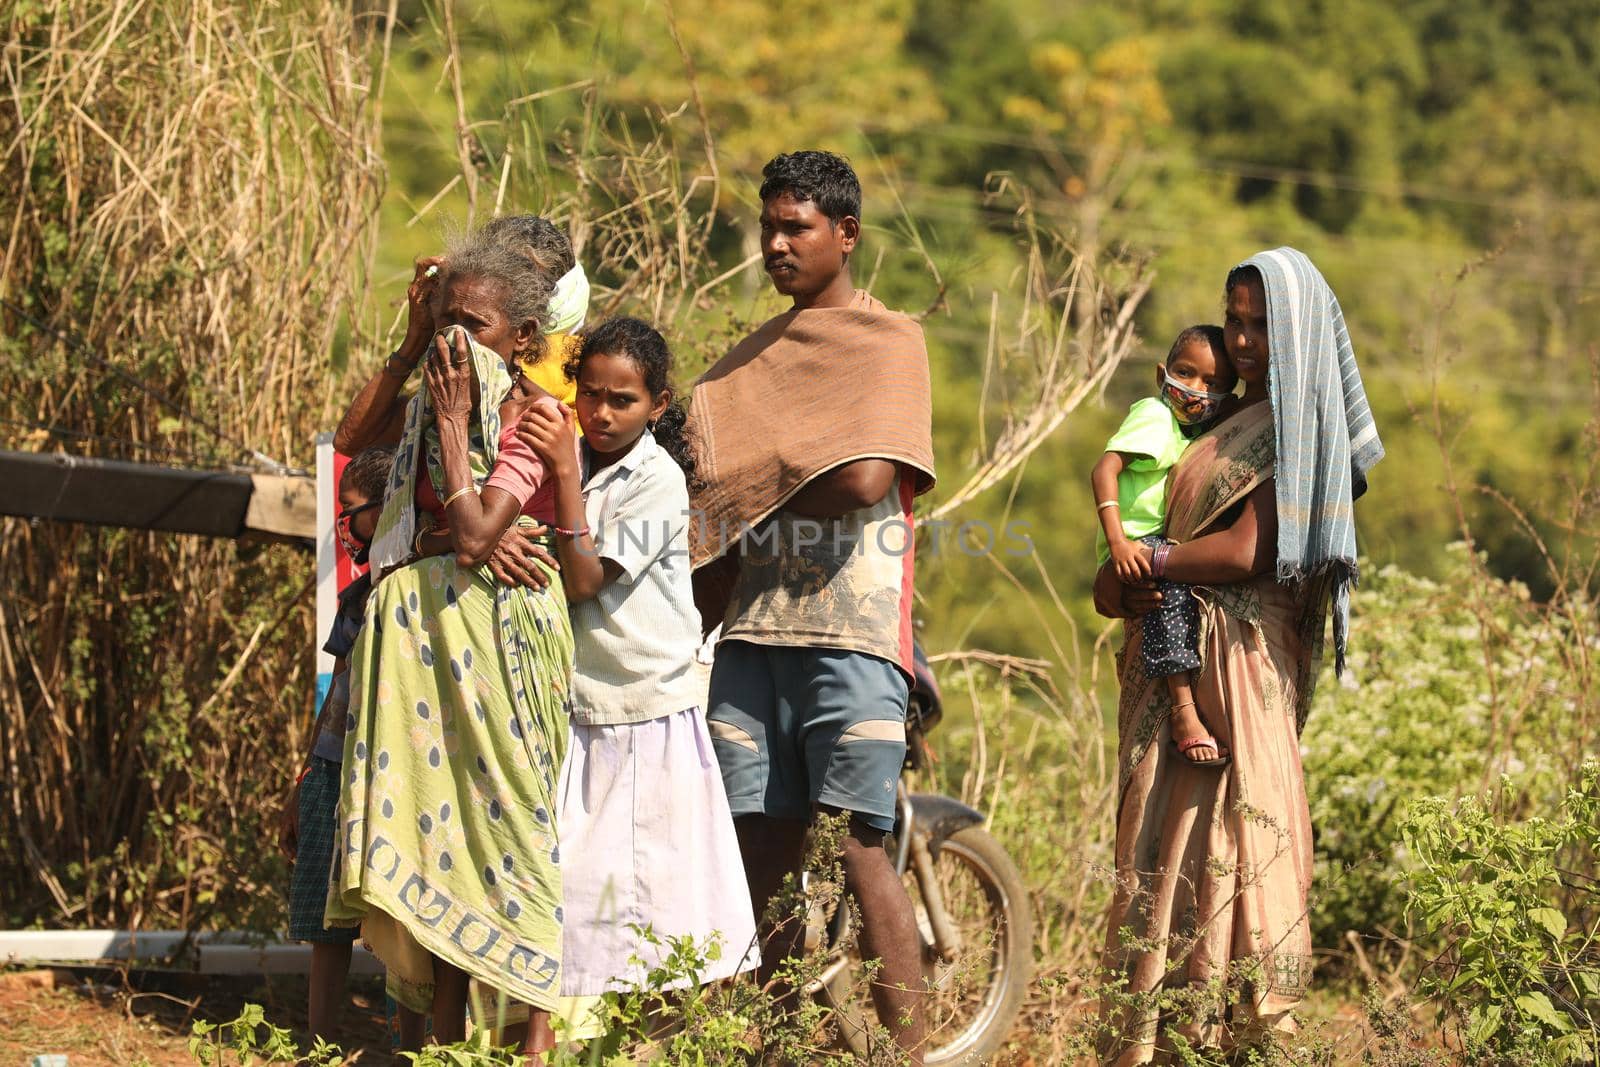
(1130,489)
(308,831)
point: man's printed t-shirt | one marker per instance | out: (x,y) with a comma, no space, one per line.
(829,583)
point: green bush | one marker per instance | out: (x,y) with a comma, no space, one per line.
(1520,978)
(1452,685)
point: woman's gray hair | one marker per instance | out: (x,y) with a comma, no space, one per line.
(483,253)
(543,241)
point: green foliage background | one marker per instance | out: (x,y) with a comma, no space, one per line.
(1440,161)
(1394,146)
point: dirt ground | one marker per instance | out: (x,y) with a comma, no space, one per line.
(101,1017)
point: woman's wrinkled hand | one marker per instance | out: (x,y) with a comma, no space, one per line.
(1115,600)
(420,295)
(512,560)
(548,429)
(449,377)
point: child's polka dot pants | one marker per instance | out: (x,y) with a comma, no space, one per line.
(1172,631)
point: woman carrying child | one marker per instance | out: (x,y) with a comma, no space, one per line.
(1213,868)
(647,838)
(447,850)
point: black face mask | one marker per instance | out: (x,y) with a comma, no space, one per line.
(354,547)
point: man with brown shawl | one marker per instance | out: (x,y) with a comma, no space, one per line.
(815,434)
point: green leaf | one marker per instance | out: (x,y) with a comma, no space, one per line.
(1538,1005)
(1552,920)
(1483,1021)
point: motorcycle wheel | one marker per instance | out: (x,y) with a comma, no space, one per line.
(975,997)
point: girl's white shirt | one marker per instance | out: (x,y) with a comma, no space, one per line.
(636,640)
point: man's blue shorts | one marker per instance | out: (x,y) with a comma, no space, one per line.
(797,727)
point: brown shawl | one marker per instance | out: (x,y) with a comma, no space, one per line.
(809,390)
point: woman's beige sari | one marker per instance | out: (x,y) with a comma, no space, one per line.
(1213,867)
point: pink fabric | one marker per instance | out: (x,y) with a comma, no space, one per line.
(518,471)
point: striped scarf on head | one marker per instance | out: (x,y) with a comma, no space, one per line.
(1327,440)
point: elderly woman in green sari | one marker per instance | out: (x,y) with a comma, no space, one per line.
(448,853)
(1207,932)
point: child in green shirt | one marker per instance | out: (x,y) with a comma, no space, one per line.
(1130,489)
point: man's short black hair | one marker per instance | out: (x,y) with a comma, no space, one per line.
(821,177)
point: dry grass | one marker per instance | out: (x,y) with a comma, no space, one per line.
(197,190)
(191,191)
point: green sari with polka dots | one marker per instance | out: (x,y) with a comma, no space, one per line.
(447,841)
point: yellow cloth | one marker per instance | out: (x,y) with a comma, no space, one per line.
(549,372)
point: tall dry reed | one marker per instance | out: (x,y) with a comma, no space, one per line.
(190,195)
(197,198)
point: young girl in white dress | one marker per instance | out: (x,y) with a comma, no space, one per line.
(646,835)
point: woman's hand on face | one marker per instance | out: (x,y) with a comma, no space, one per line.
(1116,600)
(420,295)
(552,438)
(513,558)
(449,377)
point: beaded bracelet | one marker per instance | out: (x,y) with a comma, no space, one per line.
(582,531)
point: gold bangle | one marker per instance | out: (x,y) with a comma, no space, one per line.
(1107,504)
(463,491)
(416,542)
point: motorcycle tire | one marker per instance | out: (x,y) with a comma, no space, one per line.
(967,1032)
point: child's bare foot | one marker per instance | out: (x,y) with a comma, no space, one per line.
(1189,734)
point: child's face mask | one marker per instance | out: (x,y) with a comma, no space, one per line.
(343,527)
(1190,406)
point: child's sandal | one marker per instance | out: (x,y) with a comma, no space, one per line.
(1181,749)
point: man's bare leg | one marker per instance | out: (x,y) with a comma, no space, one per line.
(771,849)
(889,934)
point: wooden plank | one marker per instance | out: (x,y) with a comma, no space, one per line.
(220,952)
(283,504)
(109,492)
